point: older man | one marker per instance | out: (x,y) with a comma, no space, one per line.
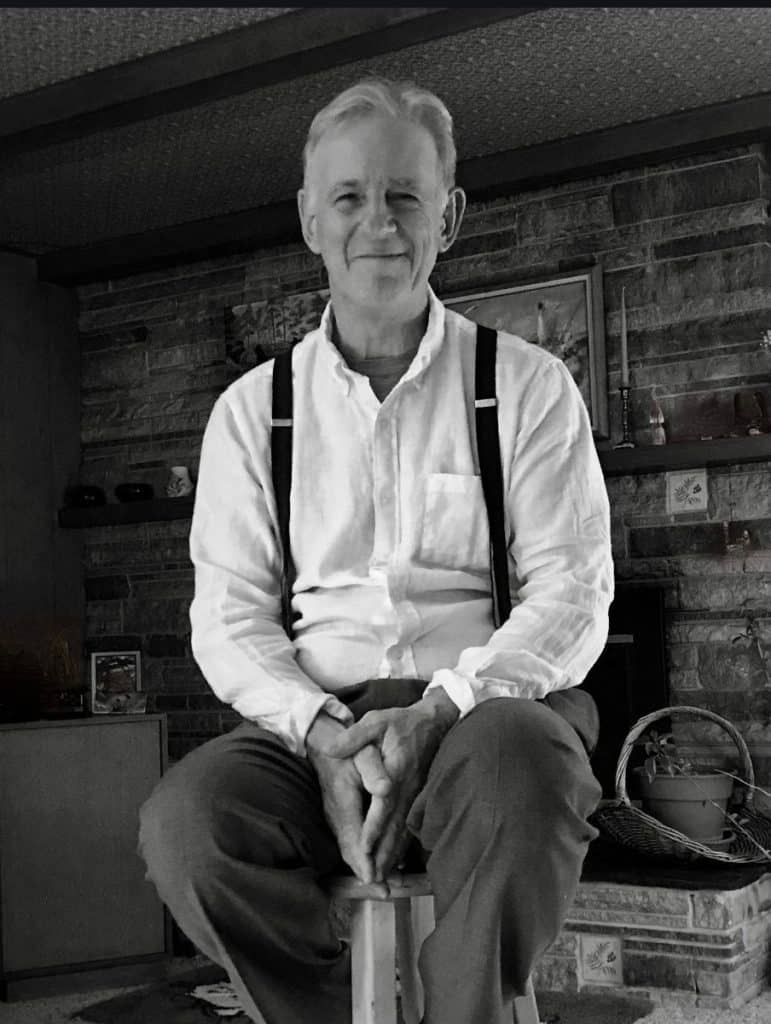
(395,710)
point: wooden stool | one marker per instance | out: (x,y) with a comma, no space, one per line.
(384,930)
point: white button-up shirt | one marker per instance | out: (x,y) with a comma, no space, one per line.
(389,533)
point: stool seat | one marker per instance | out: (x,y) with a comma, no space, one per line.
(400,886)
(386,930)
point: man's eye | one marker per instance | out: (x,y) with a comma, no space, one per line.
(346,197)
(405,197)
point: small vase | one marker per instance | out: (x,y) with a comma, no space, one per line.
(180,483)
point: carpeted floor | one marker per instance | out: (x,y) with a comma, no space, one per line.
(170,1002)
(167,1002)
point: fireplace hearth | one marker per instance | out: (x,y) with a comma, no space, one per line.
(695,935)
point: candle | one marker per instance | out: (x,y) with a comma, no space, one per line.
(624,353)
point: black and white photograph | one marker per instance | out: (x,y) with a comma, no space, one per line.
(385,516)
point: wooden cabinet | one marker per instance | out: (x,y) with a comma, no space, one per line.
(73,896)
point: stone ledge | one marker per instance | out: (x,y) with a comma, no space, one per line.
(678,947)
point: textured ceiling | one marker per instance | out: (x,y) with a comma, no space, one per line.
(42,45)
(551,74)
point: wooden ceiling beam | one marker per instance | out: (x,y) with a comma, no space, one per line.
(275,50)
(735,123)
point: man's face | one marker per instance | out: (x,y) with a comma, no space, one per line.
(373,208)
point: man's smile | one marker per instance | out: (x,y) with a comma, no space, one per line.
(386,261)
(380,256)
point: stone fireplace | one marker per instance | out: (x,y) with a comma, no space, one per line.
(689,242)
(666,938)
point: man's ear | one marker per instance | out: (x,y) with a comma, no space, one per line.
(307,221)
(451,218)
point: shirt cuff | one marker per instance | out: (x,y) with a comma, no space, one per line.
(337,710)
(457,687)
(327,703)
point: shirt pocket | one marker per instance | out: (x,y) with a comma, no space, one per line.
(455,532)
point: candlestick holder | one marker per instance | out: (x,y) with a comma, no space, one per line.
(626,441)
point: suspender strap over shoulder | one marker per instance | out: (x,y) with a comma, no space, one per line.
(281,469)
(489,453)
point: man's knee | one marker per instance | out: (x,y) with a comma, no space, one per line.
(520,731)
(178,822)
(241,797)
(202,810)
(524,750)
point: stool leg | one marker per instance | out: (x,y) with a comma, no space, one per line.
(525,1007)
(373,966)
(407,959)
(414,922)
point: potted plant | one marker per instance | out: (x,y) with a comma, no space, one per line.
(690,798)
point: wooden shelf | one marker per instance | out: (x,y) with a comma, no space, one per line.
(685,455)
(115,514)
(615,462)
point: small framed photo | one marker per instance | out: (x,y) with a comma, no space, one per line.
(116,683)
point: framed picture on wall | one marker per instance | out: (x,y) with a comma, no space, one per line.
(257,331)
(563,314)
(116,683)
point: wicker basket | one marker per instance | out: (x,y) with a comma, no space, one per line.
(633,828)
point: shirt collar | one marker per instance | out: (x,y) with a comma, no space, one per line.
(429,345)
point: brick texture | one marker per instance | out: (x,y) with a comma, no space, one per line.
(677,947)
(688,240)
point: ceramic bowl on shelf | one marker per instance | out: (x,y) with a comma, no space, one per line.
(84,496)
(134,492)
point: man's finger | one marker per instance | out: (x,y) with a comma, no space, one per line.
(361,866)
(353,739)
(361,862)
(378,814)
(374,777)
(343,798)
(392,848)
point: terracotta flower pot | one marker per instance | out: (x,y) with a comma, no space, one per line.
(693,804)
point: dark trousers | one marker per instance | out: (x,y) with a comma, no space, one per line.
(237,845)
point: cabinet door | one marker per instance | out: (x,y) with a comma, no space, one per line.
(72,886)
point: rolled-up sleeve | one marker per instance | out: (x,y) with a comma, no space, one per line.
(561,568)
(237,635)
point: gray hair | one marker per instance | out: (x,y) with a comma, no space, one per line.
(396,99)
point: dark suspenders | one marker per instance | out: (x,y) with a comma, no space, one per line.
(488,450)
(489,455)
(281,470)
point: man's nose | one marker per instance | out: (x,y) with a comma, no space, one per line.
(380,218)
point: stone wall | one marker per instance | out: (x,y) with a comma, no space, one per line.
(688,240)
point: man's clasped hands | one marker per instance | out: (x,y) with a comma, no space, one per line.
(370,773)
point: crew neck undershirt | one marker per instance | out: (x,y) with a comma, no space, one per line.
(384,372)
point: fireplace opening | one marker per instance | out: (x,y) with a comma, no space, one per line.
(629,679)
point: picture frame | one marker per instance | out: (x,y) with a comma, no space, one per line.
(116,683)
(687,491)
(258,331)
(565,314)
